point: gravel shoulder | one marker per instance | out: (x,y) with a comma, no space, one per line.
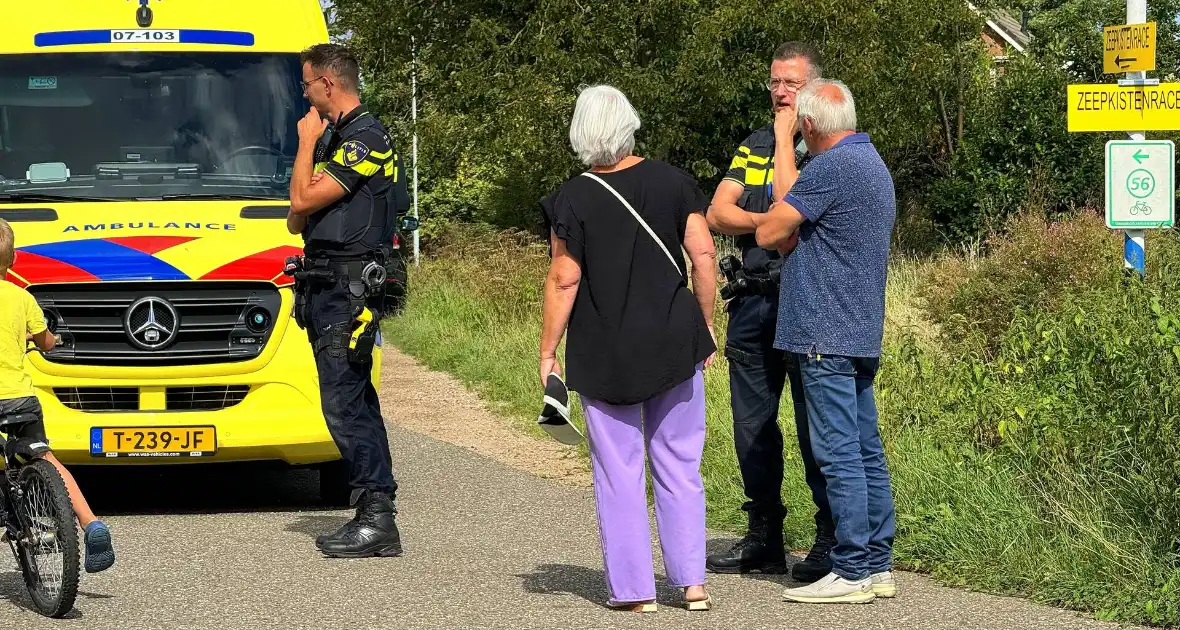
(436,404)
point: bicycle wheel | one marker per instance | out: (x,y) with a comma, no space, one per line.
(48,545)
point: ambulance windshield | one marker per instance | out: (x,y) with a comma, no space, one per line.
(132,125)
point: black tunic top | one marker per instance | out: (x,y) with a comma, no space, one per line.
(636,330)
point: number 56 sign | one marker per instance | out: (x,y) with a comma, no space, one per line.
(1140,184)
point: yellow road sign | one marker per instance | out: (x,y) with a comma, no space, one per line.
(1128,48)
(1115,108)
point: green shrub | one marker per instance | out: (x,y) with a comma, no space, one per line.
(1032,266)
(1016,152)
(1061,374)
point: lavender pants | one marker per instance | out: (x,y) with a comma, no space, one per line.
(671,427)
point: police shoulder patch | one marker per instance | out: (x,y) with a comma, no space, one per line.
(354,152)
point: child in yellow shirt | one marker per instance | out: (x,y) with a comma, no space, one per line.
(22,321)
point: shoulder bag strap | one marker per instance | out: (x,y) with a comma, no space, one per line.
(637,218)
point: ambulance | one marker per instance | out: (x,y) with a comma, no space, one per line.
(146,150)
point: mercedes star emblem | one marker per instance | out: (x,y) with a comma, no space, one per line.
(151,323)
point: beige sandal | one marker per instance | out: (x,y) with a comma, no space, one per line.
(698,604)
(637,607)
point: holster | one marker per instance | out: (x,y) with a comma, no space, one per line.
(365,283)
(300,306)
(354,339)
(295,267)
(767,283)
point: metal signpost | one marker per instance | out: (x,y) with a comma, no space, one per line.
(414,107)
(1140,173)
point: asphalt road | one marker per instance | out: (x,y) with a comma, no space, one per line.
(487,546)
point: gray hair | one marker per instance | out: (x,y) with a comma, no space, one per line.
(828,115)
(602,131)
(790,50)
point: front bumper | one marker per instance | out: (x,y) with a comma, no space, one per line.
(264,409)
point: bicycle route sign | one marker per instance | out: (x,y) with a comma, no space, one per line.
(1140,184)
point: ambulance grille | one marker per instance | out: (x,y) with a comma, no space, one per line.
(210,324)
(206,397)
(97,399)
(199,398)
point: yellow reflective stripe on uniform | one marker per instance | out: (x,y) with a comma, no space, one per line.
(759,176)
(381,156)
(739,158)
(759,160)
(319,166)
(755,174)
(364,167)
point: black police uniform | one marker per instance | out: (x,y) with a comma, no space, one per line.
(344,244)
(757,374)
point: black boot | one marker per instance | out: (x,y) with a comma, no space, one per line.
(373,532)
(818,562)
(322,538)
(761,550)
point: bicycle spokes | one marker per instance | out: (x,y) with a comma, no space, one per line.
(39,539)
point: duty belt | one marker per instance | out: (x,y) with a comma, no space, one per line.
(365,279)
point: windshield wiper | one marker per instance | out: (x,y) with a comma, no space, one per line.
(22,196)
(217,197)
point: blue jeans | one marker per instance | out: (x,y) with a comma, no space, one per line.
(843,419)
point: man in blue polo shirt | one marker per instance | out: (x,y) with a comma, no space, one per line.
(836,223)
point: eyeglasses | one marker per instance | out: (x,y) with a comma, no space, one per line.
(305,84)
(793,86)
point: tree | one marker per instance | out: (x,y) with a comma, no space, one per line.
(498,81)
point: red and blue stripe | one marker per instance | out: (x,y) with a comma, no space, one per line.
(133,258)
(101,260)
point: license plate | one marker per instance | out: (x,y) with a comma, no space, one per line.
(153,441)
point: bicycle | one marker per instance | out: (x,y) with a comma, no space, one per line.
(37,521)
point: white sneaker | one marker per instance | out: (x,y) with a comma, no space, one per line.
(884,584)
(832,589)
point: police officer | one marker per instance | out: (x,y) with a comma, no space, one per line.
(757,371)
(347,190)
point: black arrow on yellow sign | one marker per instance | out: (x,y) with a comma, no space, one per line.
(1119,60)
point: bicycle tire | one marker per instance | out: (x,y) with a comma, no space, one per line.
(66,535)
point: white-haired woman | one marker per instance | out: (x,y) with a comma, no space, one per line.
(638,342)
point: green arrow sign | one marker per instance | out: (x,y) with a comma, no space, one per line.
(1139,156)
